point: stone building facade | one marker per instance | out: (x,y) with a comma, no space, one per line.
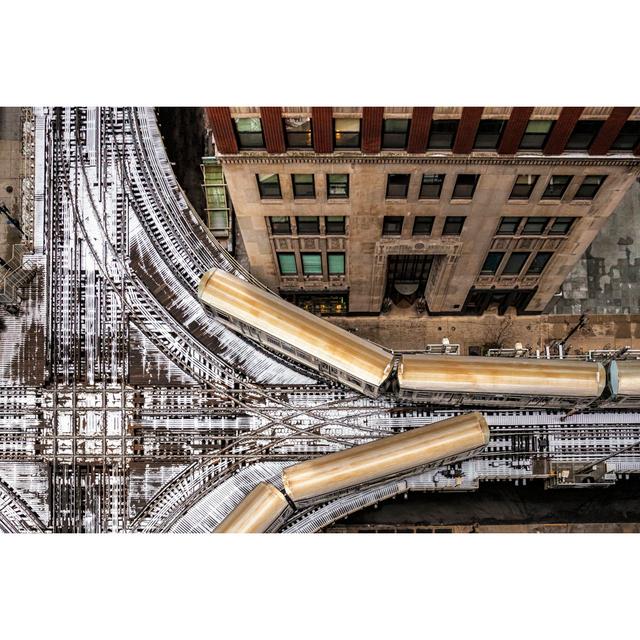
(452,209)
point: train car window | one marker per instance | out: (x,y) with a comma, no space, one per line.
(334,225)
(422,225)
(534,226)
(561,226)
(298,132)
(453,225)
(249,133)
(536,134)
(539,262)
(347,132)
(492,262)
(442,133)
(523,187)
(515,263)
(337,185)
(489,134)
(395,132)
(397,185)
(465,187)
(311,264)
(287,264)
(583,134)
(280,225)
(308,225)
(303,185)
(336,263)
(508,226)
(556,187)
(392,225)
(629,136)
(269,185)
(431,186)
(589,187)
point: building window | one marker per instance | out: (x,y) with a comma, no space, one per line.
(303,185)
(442,134)
(249,133)
(523,187)
(422,225)
(347,132)
(489,134)
(280,225)
(334,225)
(583,134)
(539,262)
(269,185)
(561,226)
(398,185)
(308,225)
(392,225)
(395,133)
(337,185)
(508,226)
(589,187)
(453,225)
(534,226)
(491,263)
(336,263)
(556,187)
(515,263)
(431,186)
(629,136)
(311,264)
(320,303)
(536,134)
(298,132)
(465,186)
(287,264)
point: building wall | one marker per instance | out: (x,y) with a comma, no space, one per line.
(459,259)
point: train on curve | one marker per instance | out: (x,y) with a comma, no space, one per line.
(461,381)
(333,474)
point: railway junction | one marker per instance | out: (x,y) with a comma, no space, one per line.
(127,406)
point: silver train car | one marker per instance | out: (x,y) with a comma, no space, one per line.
(623,385)
(471,381)
(443,442)
(259,512)
(331,475)
(295,333)
(500,382)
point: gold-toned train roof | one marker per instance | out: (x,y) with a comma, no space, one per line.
(625,377)
(478,374)
(257,512)
(379,459)
(296,327)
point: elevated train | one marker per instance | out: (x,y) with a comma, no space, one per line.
(473,381)
(316,480)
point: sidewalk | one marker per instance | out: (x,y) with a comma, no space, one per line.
(534,332)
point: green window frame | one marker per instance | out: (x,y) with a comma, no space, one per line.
(269,185)
(249,133)
(336,263)
(311,264)
(337,185)
(303,185)
(287,264)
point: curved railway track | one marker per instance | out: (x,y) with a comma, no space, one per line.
(114,179)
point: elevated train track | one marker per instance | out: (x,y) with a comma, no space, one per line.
(124,248)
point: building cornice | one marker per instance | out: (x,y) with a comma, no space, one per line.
(316,158)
